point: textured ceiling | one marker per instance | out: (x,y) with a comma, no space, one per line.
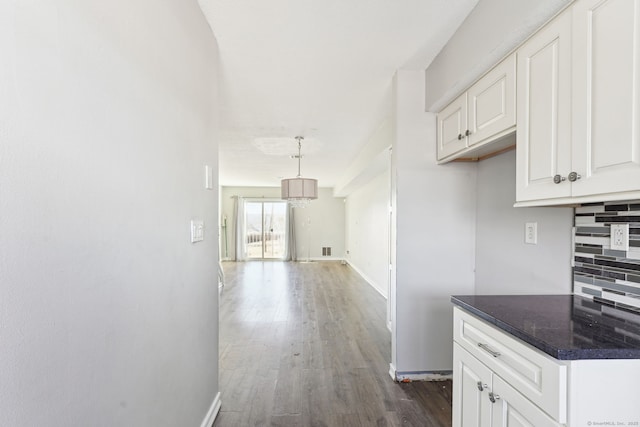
(321,69)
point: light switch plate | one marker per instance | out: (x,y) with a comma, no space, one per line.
(197,231)
(208,177)
(620,237)
(531,233)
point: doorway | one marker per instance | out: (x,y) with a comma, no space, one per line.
(265,229)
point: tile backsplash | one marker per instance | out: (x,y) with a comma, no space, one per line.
(608,276)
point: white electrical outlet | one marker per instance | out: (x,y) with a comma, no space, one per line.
(531,233)
(620,237)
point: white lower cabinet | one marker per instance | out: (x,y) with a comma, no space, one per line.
(512,409)
(481,398)
(499,380)
(472,382)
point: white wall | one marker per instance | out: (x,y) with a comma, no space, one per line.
(504,263)
(320,224)
(490,31)
(367,230)
(434,233)
(108,314)
(370,162)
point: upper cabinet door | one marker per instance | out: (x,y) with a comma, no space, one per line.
(606,94)
(492,102)
(452,124)
(544,113)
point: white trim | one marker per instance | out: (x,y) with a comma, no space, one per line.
(573,244)
(573,201)
(213,412)
(322,258)
(369,281)
(392,371)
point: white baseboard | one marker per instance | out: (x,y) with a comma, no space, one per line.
(392,371)
(322,258)
(213,412)
(367,279)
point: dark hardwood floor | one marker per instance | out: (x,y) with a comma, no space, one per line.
(305,344)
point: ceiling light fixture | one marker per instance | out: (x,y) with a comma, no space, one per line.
(299,191)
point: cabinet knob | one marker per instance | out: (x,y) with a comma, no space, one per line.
(467,132)
(459,136)
(574,176)
(558,179)
(481,386)
(493,397)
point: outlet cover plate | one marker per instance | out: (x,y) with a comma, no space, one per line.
(620,237)
(531,233)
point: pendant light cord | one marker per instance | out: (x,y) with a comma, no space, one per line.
(299,138)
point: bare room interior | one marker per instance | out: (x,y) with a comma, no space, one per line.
(303,213)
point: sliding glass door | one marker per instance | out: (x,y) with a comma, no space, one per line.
(265,229)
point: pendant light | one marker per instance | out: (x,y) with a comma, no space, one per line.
(299,191)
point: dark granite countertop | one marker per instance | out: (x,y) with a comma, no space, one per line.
(567,327)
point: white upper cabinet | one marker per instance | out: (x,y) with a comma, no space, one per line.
(606,95)
(578,132)
(452,124)
(543,132)
(492,103)
(484,113)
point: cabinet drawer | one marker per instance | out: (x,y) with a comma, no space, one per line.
(539,377)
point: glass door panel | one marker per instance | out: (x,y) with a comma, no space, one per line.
(265,230)
(275,227)
(253,231)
